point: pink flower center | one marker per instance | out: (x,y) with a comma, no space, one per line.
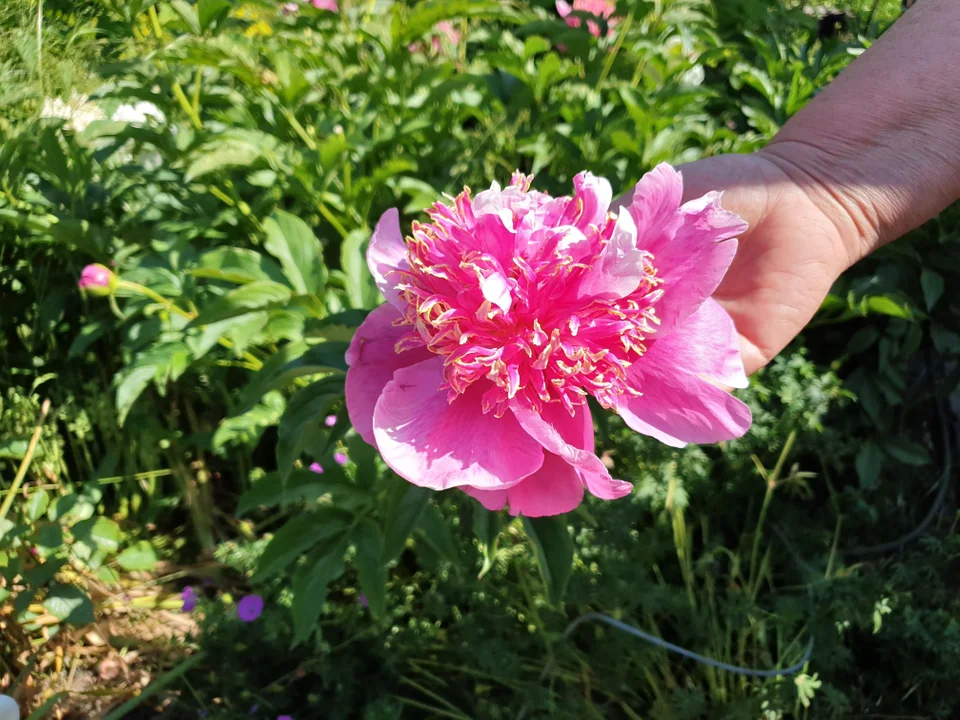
(494,287)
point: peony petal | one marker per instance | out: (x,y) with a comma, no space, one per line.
(656,199)
(572,439)
(554,489)
(692,248)
(615,274)
(591,199)
(491,499)
(706,343)
(373,360)
(678,408)
(564,8)
(496,289)
(437,444)
(386,254)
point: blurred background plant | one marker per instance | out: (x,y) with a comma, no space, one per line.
(227,161)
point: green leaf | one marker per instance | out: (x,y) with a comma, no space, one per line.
(306,410)
(436,533)
(341,326)
(424,15)
(487,526)
(36,505)
(869,461)
(907,452)
(888,306)
(139,556)
(254,296)
(292,242)
(238,265)
(234,148)
(69,604)
(134,382)
(362,291)
(44,572)
(554,550)
(14,448)
(297,537)
(403,519)
(302,485)
(100,533)
(310,582)
(246,427)
(188,13)
(291,361)
(933,285)
(371,569)
(209,11)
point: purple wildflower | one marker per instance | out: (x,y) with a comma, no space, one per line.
(363,600)
(340,458)
(189,596)
(249,608)
(330,420)
(317,468)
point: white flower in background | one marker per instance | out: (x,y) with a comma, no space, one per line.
(9,710)
(78,111)
(137,114)
(693,76)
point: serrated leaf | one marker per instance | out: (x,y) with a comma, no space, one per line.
(139,556)
(297,537)
(310,582)
(367,538)
(69,604)
(292,242)
(553,547)
(44,572)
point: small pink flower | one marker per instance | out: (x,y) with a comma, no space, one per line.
(330,5)
(330,420)
(290,8)
(97,279)
(443,29)
(506,311)
(597,8)
(340,458)
(317,468)
(249,608)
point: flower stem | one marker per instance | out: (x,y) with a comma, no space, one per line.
(25,463)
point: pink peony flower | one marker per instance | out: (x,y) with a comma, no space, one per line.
(330,5)
(97,279)
(508,310)
(597,8)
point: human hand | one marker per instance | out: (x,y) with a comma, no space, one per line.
(797,245)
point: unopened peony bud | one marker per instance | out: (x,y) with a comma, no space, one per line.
(97,280)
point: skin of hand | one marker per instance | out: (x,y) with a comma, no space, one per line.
(874,155)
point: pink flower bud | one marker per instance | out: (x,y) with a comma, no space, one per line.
(97,280)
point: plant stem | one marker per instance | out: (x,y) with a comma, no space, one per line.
(768,496)
(25,463)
